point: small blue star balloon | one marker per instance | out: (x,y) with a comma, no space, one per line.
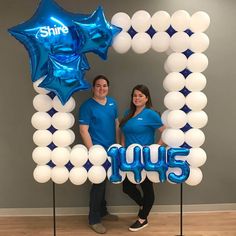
(96,33)
(65,75)
(49,30)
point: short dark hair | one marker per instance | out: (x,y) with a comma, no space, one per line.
(100,77)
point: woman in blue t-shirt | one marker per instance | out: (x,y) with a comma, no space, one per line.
(138,126)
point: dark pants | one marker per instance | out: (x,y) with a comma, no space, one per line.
(97,204)
(146,201)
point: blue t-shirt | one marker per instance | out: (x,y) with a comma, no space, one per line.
(141,128)
(101,120)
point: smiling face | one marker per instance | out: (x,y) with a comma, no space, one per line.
(100,89)
(139,99)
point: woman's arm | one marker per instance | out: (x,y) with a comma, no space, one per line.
(83,129)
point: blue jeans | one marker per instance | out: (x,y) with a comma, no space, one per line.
(97,203)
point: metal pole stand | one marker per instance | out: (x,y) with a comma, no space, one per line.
(54,209)
(181,211)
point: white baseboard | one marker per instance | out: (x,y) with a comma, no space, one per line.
(66,211)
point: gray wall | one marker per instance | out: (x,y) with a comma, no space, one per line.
(17,187)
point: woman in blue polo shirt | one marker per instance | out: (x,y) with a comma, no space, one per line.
(139,126)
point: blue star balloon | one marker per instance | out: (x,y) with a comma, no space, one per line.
(65,75)
(57,40)
(96,33)
(50,30)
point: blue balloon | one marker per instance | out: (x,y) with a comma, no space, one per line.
(49,31)
(151,31)
(113,153)
(65,76)
(136,166)
(160,166)
(132,32)
(96,33)
(56,41)
(183,165)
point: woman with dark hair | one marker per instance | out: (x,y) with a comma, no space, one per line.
(138,126)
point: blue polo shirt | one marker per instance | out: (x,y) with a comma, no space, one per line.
(141,128)
(101,120)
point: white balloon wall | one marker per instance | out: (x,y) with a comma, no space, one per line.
(182,37)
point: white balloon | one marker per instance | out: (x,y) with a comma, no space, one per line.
(160,21)
(194,138)
(177,62)
(130,176)
(97,155)
(174,82)
(177,119)
(195,82)
(41,120)
(78,175)
(153,176)
(195,176)
(78,156)
(80,146)
(154,152)
(42,138)
(199,21)
(122,174)
(160,41)
(42,102)
(173,137)
(63,120)
(141,43)
(180,20)
(199,42)
(197,119)
(196,101)
(39,89)
(63,138)
(122,42)
(41,155)
(197,157)
(141,21)
(179,42)
(197,62)
(68,107)
(42,174)
(121,20)
(130,152)
(174,100)
(60,156)
(164,117)
(97,174)
(166,68)
(60,175)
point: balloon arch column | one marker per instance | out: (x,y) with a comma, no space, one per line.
(181,36)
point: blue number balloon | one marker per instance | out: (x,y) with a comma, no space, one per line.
(136,166)
(160,166)
(183,165)
(113,153)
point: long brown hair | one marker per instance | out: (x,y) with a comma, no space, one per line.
(143,89)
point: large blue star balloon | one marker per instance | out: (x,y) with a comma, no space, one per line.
(96,33)
(57,40)
(49,30)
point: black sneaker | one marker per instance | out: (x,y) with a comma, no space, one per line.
(136,226)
